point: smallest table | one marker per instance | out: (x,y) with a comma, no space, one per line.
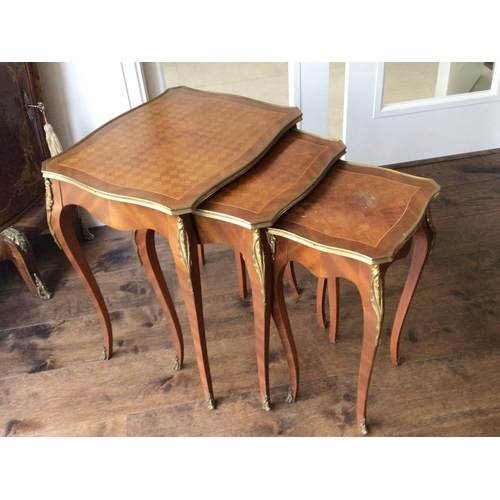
(355,223)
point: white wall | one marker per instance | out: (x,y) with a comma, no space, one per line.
(80,97)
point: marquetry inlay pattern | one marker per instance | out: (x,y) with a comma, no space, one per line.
(279,169)
(354,206)
(178,146)
(287,172)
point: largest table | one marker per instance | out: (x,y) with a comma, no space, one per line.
(146,171)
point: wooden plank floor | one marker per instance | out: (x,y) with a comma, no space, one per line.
(52,382)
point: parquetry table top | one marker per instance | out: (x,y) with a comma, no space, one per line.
(288,172)
(174,151)
(360,211)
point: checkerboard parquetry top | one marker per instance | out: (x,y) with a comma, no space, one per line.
(359,209)
(290,170)
(176,149)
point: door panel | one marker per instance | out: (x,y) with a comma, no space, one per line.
(427,128)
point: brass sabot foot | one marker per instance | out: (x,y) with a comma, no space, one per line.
(42,290)
(176,365)
(266,403)
(210,401)
(362,427)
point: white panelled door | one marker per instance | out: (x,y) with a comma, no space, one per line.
(380,135)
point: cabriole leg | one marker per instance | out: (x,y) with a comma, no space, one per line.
(371,288)
(145,241)
(257,256)
(422,240)
(183,242)
(62,223)
(281,319)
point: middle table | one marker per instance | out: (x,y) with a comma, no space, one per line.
(239,214)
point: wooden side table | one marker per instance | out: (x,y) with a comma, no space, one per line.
(239,214)
(146,171)
(353,226)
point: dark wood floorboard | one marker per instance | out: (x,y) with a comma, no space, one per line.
(52,382)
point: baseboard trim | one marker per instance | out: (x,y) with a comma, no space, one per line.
(408,164)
